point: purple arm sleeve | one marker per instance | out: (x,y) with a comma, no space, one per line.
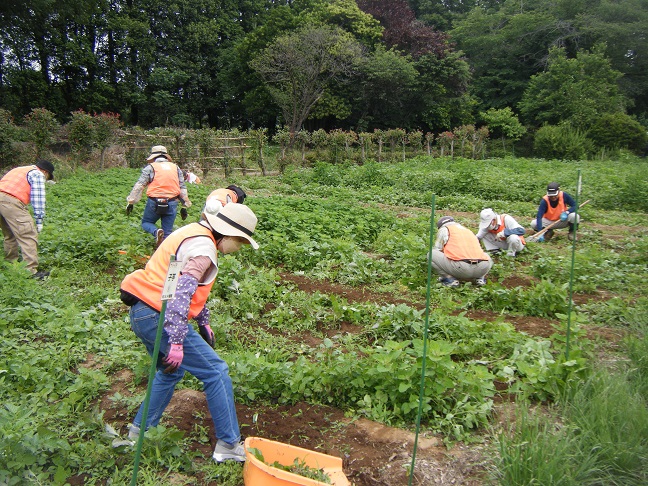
(203,318)
(175,319)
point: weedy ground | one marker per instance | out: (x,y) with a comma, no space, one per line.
(323,327)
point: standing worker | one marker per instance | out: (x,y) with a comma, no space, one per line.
(165,185)
(457,255)
(18,188)
(500,232)
(182,349)
(557,208)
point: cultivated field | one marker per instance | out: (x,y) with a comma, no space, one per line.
(323,329)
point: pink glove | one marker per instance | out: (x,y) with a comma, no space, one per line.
(207,334)
(174,358)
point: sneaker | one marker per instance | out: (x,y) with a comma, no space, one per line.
(572,236)
(548,235)
(480,282)
(159,237)
(511,254)
(133,432)
(40,275)
(225,452)
(449,281)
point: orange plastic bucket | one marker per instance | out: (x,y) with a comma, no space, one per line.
(258,473)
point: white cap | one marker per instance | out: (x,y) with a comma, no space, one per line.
(486,217)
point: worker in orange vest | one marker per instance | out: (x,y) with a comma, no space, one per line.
(190,177)
(555,207)
(18,188)
(165,186)
(500,232)
(220,197)
(182,348)
(458,256)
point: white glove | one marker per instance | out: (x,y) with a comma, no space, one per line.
(500,236)
(213,206)
(187,203)
(39,227)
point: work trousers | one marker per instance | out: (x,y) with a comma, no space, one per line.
(19,230)
(201,361)
(460,270)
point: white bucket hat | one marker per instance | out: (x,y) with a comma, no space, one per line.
(234,220)
(158,151)
(486,217)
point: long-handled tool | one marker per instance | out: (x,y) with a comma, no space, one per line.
(548,227)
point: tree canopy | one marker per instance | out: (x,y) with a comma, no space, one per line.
(416,64)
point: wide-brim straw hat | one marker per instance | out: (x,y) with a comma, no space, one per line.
(234,220)
(158,151)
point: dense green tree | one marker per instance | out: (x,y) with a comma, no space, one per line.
(442,97)
(623,26)
(298,68)
(503,123)
(576,91)
(385,91)
(618,131)
(507,42)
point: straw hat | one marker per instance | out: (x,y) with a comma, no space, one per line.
(234,220)
(158,151)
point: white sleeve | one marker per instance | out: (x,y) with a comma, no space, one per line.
(200,246)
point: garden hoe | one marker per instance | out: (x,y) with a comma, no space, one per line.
(535,237)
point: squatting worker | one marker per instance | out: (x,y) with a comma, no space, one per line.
(458,256)
(165,185)
(18,188)
(555,207)
(183,349)
(500,232)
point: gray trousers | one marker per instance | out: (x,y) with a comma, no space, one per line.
(512,243)
(458,269)
(560,224)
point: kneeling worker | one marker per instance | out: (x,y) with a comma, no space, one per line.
(556,208)
(457,255)
(500,232)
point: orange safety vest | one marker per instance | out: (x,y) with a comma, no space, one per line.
(165,182)
(221,195)
(553,214)
(16,184)
(147,284)
(502,227)
(463,245)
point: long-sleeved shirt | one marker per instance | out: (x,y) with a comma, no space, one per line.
(37,198)
(146,177)
(511,227)
(542,209)
(175,318)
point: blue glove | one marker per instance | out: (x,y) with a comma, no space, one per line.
(540,239)
(564,215)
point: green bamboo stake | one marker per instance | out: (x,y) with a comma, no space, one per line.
(425,339)
(571,272)
(147,399)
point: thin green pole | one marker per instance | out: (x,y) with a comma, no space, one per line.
(425,339)
(571,272)
(147,400)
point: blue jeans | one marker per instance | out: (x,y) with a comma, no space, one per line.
(150,217)
(201,361)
